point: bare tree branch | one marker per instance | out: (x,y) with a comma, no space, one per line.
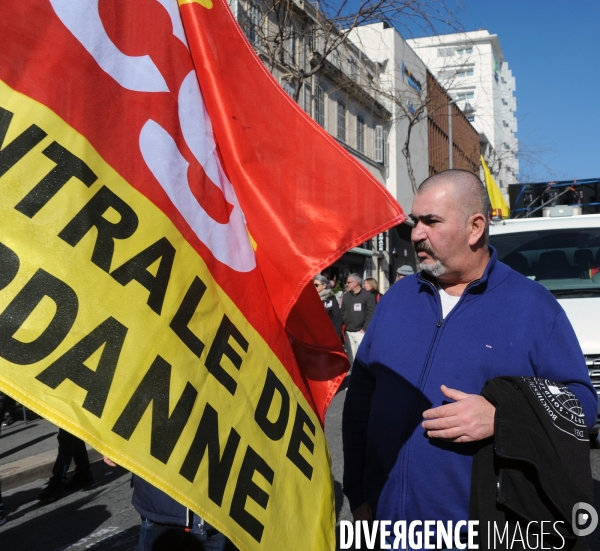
(288,33)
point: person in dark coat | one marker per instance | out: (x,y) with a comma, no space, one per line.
(357,309)
(404,271)
(167,525)
(4,401)
(330,302)
(69,448)
(7,407)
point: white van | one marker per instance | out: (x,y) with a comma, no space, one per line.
(561,252)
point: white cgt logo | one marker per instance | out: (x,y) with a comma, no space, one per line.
(229,243)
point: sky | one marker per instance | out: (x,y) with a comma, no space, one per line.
(553,50)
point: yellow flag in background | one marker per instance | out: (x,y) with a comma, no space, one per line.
(496,198)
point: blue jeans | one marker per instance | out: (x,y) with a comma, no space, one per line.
(159,537)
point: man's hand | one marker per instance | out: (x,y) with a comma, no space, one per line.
(363,512)
(109,462)
(469,418)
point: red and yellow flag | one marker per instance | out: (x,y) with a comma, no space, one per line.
(164,207)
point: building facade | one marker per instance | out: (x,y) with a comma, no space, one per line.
(342,95)
(462,140)
(404,90)
(472,68)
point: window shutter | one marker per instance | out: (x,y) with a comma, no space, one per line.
(378,153)
(386,150)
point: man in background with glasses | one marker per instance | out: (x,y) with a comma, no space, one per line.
(358,306)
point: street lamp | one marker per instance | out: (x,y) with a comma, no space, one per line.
(468,110)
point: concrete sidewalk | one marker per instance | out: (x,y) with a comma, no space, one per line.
(28,451)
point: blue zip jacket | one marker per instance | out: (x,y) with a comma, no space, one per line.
(504,324)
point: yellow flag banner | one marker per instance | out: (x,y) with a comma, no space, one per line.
(159,235)
(497,200)
(71,333)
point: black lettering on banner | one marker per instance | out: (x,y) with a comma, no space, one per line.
(12,153)
(9,265)
(273,429)
(184,314)
(245,488)
(155,389)
(110,335)
(221,347)
(219,466)
(299,436)
(136,268)
(91,215)
(41,285)
(67,166)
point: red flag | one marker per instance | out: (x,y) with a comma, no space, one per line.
(306,199)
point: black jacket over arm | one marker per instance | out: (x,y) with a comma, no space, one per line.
(536,467)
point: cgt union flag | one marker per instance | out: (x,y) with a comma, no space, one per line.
(164,206)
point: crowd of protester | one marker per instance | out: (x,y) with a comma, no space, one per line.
(351,310)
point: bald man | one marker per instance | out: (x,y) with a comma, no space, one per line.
(413,414)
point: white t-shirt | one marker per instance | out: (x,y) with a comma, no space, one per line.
(448,301)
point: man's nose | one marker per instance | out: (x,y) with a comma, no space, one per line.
(418,233)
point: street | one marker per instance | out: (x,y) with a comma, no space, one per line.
(102,518)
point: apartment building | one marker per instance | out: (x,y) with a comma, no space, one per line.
(403,83)
(472,67)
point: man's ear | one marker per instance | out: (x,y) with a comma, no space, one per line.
(477,224)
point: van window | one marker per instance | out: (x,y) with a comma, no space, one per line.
(566,262)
